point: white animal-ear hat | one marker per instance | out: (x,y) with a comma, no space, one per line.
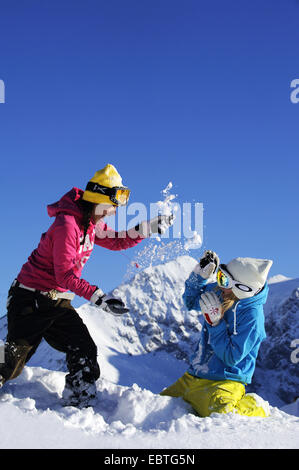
(251,272)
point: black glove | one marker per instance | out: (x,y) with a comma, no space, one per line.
(208,264)
(108,303)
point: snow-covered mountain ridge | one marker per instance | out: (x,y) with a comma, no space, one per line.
(157,313)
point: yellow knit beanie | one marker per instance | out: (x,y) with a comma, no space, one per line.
(108,177)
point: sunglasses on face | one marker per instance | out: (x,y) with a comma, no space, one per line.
(226,280)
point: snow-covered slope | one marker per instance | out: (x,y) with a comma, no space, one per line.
(139,355)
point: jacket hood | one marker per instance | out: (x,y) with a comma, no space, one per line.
(67,204)
(258,299)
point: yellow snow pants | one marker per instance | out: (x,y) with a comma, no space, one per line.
(221,396)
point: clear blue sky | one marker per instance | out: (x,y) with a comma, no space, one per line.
(193,92)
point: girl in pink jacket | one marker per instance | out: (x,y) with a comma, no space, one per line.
(39,304)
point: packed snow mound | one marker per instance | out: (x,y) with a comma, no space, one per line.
(127,417)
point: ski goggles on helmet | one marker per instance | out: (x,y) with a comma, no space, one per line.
(119,196)
(226,280)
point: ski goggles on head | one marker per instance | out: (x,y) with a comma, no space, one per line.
(226,280)
(119,196)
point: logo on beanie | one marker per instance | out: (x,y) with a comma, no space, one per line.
(95,188)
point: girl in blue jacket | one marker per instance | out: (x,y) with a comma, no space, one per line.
(225,358)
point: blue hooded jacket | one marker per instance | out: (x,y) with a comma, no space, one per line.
(227,351)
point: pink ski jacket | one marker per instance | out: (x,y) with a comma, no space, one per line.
(58,260)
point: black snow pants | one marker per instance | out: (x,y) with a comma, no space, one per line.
(31,317)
